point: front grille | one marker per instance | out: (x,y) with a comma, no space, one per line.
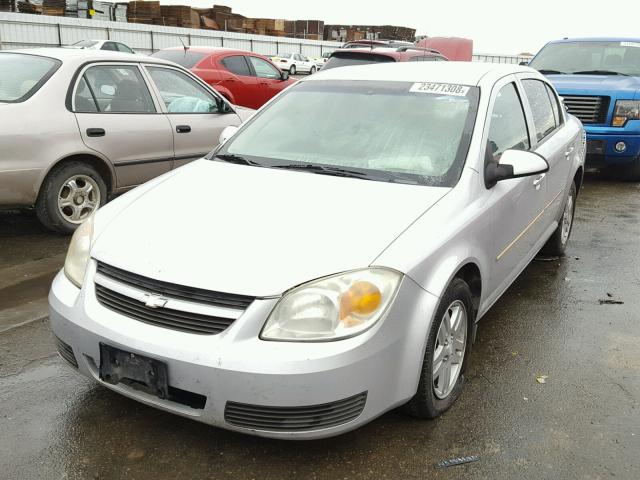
(66,352)
(292,419)
(163,317)
(179,292)
(587,109)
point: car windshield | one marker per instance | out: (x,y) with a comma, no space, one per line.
(386,131)
(349,59)
(85,43)
(187,59)
(597,58)
(22,75)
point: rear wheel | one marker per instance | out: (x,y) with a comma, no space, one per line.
(557,243)
(445,359)
(69,195)
(292,70)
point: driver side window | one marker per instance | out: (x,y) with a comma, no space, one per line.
(508,128)
(182,94)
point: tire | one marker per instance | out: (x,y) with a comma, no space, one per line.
(292,70)
(312,70)
(70,193)
(557,243)
(432,398)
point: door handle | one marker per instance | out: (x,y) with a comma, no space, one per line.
(96,132)
(569,151)
(538,181)
(183,128)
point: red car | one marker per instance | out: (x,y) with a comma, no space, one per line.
(357,55)
(245,78)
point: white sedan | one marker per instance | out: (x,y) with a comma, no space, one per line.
(320,279)
(294,63)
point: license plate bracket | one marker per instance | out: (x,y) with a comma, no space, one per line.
(142,373)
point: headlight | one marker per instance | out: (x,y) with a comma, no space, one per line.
(333,308)
(626,110)
(78,254)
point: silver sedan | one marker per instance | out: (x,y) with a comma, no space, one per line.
(80,125)
(326,272)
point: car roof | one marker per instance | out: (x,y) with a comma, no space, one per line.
(81,55)
(464,73)
(392,52)
(597,39)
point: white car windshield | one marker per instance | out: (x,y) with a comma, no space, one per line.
(387,131)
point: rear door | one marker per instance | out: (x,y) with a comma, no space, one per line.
(193,111)
(551,141)
(269,79)
(119,118)
(238,78)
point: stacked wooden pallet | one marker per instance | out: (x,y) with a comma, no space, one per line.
(7,6)
(179,16)
(30,7)
(53,8)
(143,11)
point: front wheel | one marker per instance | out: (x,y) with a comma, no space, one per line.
(446,355)
(312,71)
(292,70)
(557,243)
(69,195)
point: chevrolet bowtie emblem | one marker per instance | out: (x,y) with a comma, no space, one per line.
(153,300)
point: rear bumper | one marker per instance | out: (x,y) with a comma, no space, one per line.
(378,369)
(19,188)
(601,150)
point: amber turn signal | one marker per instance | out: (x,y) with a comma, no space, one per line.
(361,300)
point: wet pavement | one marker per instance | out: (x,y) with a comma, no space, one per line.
(584,422)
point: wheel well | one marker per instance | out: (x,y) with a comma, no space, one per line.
(97,163)
(470,273)
(578,179)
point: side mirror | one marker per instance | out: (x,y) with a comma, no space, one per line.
(524,63)
(284,75)
(514,164)
(227,133)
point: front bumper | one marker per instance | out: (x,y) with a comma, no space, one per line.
(601,150)
(235,367)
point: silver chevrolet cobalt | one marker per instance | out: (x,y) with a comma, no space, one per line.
(334,254)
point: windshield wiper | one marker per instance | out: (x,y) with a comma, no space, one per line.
(326,169)
(599,72)
(546,71)
(238,159)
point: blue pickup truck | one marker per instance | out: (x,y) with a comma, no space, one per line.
(599,80)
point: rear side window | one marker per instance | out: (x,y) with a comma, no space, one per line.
(117,89)
(237,64)
(110,46)
(22,75)
(555,105)
(508,129)
(84,100)
(182,94)
(186,59)
(345,59)
(543,115)
(123,48)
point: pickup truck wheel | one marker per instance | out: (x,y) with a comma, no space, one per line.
(69,195)
(446,355)
(292,70)
(557,243)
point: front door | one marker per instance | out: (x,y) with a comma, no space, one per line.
(269,78)
(516,203)
(236,77)
(193,111)
(119,119)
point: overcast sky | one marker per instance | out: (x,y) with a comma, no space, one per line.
(495,26)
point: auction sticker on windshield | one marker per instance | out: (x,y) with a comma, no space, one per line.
(442,88)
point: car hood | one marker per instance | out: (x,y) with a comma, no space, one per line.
(595,84)
(254,231)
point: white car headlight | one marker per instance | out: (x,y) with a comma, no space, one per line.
(334,307)
(75,264)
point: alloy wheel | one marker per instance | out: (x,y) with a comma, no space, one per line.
(78,198)
(449,348)
(567,220)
